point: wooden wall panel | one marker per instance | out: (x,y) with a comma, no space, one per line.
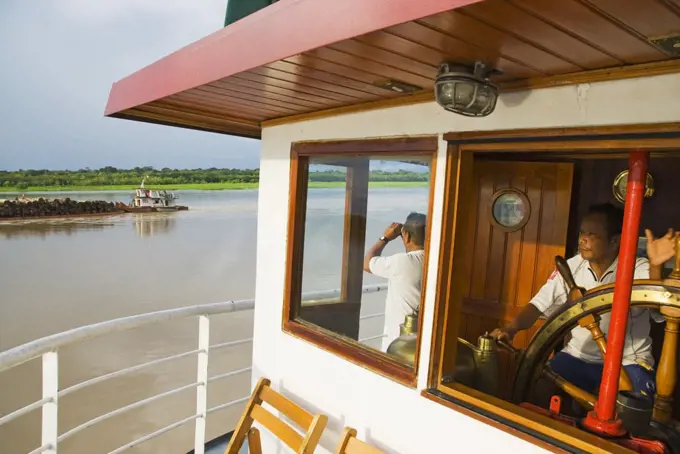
(659,213)
(507,268)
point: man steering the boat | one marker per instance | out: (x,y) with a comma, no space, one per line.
(580,361)
(404,271)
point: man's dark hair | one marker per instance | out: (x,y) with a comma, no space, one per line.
(415,227)
(613,216)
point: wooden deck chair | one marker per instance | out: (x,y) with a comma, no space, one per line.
(310,424)
(350,444)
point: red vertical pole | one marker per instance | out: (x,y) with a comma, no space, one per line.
(602,418)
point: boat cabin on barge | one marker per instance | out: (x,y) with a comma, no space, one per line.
(588,89)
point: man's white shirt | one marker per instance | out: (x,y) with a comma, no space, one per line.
(404,274)
(553,294)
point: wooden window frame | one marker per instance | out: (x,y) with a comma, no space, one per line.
(611,141)
(352,351)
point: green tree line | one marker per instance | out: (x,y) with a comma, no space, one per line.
(111,176)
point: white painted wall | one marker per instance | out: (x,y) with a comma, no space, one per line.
(391,416)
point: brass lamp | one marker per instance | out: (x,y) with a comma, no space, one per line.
(465,91)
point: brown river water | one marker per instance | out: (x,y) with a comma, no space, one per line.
(58,275)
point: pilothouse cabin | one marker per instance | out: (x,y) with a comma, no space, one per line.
(518,116)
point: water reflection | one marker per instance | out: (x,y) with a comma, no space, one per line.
(149,224)
(43,229)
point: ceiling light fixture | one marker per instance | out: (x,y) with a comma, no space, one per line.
(465,91)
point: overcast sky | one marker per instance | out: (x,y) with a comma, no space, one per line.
(58,59)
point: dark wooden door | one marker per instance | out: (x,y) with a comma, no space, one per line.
(506,266)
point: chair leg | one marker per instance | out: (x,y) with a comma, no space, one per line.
(244,424)
(254,445)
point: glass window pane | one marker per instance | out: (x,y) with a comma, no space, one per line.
(351,203)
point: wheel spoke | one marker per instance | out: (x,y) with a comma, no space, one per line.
(584,398)
(666,373)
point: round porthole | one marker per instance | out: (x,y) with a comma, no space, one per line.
(621,182)
(509,209)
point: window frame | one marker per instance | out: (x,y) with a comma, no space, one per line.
(301,152)
(462,147)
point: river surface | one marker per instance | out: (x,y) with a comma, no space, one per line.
(58,275)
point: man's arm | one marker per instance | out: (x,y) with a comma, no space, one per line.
(524,320)
(539,304)
(374,251)
(392,232)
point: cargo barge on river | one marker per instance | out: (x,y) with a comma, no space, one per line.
(151,201)
(22,208)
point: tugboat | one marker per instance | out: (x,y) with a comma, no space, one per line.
(151,201)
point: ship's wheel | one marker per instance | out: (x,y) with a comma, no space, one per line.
(660,295)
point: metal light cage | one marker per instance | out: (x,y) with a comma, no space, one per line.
(464,91)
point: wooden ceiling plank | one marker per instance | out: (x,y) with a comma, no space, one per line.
(330,77)
(431,55)
(486,37)
(235,94)
(217,101)
(332,67)
(459,51)
(385,57)
(183,122)
(170,112)
(388,72)
(649,18)
(241,84)
(271,98)
(579,20)
(511,19)
(673,4)
(310,82)
(258,77)
(230,109)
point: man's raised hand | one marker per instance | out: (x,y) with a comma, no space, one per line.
(393,231)
(660,250)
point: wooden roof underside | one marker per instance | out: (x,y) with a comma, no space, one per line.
(532,42)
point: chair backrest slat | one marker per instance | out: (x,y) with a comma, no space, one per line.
(350,444)
(356,446)
(298,415)
(279,428)
(301,443)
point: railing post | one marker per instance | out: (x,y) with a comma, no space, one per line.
(202,379)
(50,410)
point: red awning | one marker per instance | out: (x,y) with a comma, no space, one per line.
(284,29)
(299,59)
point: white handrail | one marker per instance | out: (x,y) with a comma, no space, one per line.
(48,348)
(23,353)
(26,352)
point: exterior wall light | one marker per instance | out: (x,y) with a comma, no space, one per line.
(465,91)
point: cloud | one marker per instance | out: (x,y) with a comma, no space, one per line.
(58,61)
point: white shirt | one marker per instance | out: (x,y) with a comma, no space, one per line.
(404,274)
(638,345)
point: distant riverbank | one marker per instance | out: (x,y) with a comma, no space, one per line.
(202,186)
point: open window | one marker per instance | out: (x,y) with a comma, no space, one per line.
(344,195)
(513,202)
